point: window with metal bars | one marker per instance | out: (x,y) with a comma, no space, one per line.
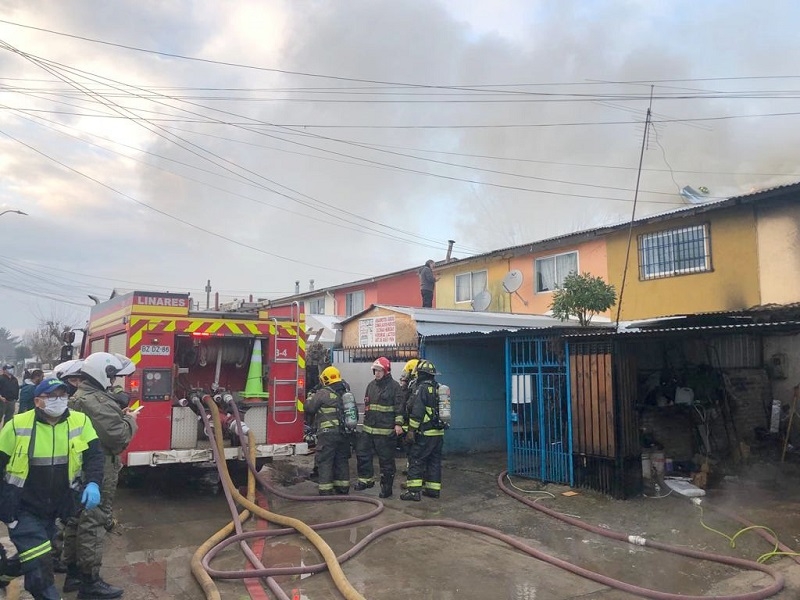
(674,252)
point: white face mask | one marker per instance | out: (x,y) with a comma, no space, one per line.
(55,407)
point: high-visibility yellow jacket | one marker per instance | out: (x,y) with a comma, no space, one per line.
(43,463)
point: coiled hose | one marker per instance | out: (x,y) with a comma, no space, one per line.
(335,569)
(260,571)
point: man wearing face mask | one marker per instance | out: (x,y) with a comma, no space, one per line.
(115,426)
(9,393)
(51,461)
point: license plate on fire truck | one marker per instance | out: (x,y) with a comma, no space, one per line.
(155,350)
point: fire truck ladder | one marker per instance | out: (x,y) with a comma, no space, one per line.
(285,411)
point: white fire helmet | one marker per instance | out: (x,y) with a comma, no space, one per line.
(102,367)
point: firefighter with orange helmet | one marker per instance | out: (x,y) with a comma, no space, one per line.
(383,423)
(426,431)
(333,443)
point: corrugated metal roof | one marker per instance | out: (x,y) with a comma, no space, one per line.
(575,236)
(438,322)
(793,325)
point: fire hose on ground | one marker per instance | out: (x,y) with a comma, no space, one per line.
(333,563)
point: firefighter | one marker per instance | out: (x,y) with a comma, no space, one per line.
(333,443)
(383,423)
(426,432)
(83,535)
(43,482)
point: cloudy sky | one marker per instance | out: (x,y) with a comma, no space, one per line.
(156,145)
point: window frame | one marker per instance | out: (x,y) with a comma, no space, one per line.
(316,303)
(649,271)
(472,291)
(348,302)
(553,257)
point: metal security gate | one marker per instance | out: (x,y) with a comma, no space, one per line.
(539,417)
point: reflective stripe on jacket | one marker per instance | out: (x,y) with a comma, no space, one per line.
(56,444)
(325,405)
(425,409)
(383,406)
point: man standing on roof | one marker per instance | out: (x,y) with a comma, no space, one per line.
(427,284)
(383,422)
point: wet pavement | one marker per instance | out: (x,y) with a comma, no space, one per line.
(165,517)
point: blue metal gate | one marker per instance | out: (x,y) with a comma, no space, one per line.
(539,427)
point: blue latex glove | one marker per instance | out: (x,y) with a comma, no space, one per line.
(91,496)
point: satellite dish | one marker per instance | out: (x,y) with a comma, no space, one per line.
(512,282)
(482,301)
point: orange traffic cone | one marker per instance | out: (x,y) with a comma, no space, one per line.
(254,387)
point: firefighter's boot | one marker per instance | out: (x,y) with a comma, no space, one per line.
(412,495)
(360,485)
(94,588)
(73,579)
(387,481)
(430,493)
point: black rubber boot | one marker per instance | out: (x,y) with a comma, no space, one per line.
(360,486)
(326,492)
(386,487)
(342,491)
(94,588)
(409,495)
(73,579)
(430,493)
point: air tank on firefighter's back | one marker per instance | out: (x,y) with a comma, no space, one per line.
(444,403)
(350,410)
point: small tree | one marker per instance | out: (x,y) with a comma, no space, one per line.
(45,341)
(582,296)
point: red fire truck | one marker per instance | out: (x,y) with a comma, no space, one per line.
(253,357)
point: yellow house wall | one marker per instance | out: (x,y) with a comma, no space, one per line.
(405,328)
(732,283)
(779,253)
(496,268)
(591,258)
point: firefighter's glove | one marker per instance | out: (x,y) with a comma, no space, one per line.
(410,437)
(91,496)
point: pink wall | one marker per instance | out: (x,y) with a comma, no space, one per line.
(401,290)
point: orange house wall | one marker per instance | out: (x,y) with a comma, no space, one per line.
(592,258)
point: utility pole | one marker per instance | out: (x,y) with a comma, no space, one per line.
(208,294)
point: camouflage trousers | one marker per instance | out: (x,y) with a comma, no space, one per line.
(85,533)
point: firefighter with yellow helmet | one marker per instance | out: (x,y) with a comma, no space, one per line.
(408,379)
(333,441)
(426,432)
